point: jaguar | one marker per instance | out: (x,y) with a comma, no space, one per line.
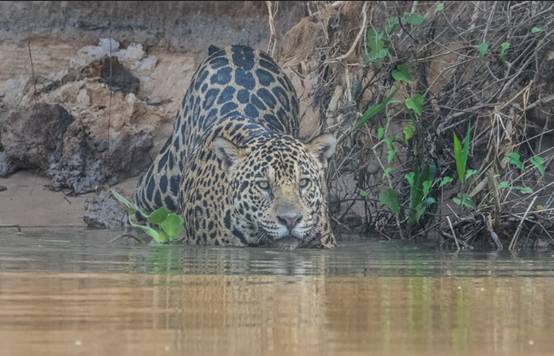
(234,167)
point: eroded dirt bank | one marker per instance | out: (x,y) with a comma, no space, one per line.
(72,120)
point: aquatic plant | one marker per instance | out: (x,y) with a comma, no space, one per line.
(168,226)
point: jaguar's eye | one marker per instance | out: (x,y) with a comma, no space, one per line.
(263,184)
(304,182)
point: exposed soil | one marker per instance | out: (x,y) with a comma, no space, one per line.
(27,201)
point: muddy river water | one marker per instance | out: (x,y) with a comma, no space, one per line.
(69,292)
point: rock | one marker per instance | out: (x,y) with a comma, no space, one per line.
(83,99)
(12,91)
(118,77)
(7,167)
(148,63)
(108,45)
(112,137)
(3,188)
(155,101)
(89,160)
(33,138)
(103,211)
(109,69)
(89,54)
(132,54)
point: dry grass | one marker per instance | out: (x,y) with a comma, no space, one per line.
(505,95)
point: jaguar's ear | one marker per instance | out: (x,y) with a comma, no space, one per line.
(226,151)
(322,147)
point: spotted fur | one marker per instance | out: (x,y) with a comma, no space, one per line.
(234,167)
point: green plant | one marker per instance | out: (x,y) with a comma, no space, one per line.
(504,47)
(402,73)
(415,104)
(420,182)
(376,50)
(461,155)
(170,225)
(374,110)
(445,181)
(464,200)
(413,18)
(408,132)
(515,159)
(389,198)
(483,49)
(538,163)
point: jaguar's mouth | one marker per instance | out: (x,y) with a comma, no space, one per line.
(289,241)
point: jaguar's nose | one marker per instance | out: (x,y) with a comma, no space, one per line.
(290,220)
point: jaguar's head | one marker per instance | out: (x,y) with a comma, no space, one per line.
(276,187)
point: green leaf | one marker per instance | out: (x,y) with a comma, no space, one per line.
(426,187)
(389,198)
(515,159)
(380,133)
(419,211)
(470,173)
(158,236)
(363,193)
(386,172)
(538,163)
(504,47)
(524,190)
(402,73)
(158,216)
(421,181)
(464,200)
(483,49)
(536,29)
(415,104)
(439,7)
(410,177)
(445,181)
(371,112)
(172,225)
(376,44)
(408,132)
(461,155)
(379,55)
(466,146)
(413,18)
(391,24)
(390,150)
(504,185)
(374,110)
(458,155)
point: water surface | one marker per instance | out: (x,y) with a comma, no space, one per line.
(70,292)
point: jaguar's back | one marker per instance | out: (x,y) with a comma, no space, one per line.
(237,81)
